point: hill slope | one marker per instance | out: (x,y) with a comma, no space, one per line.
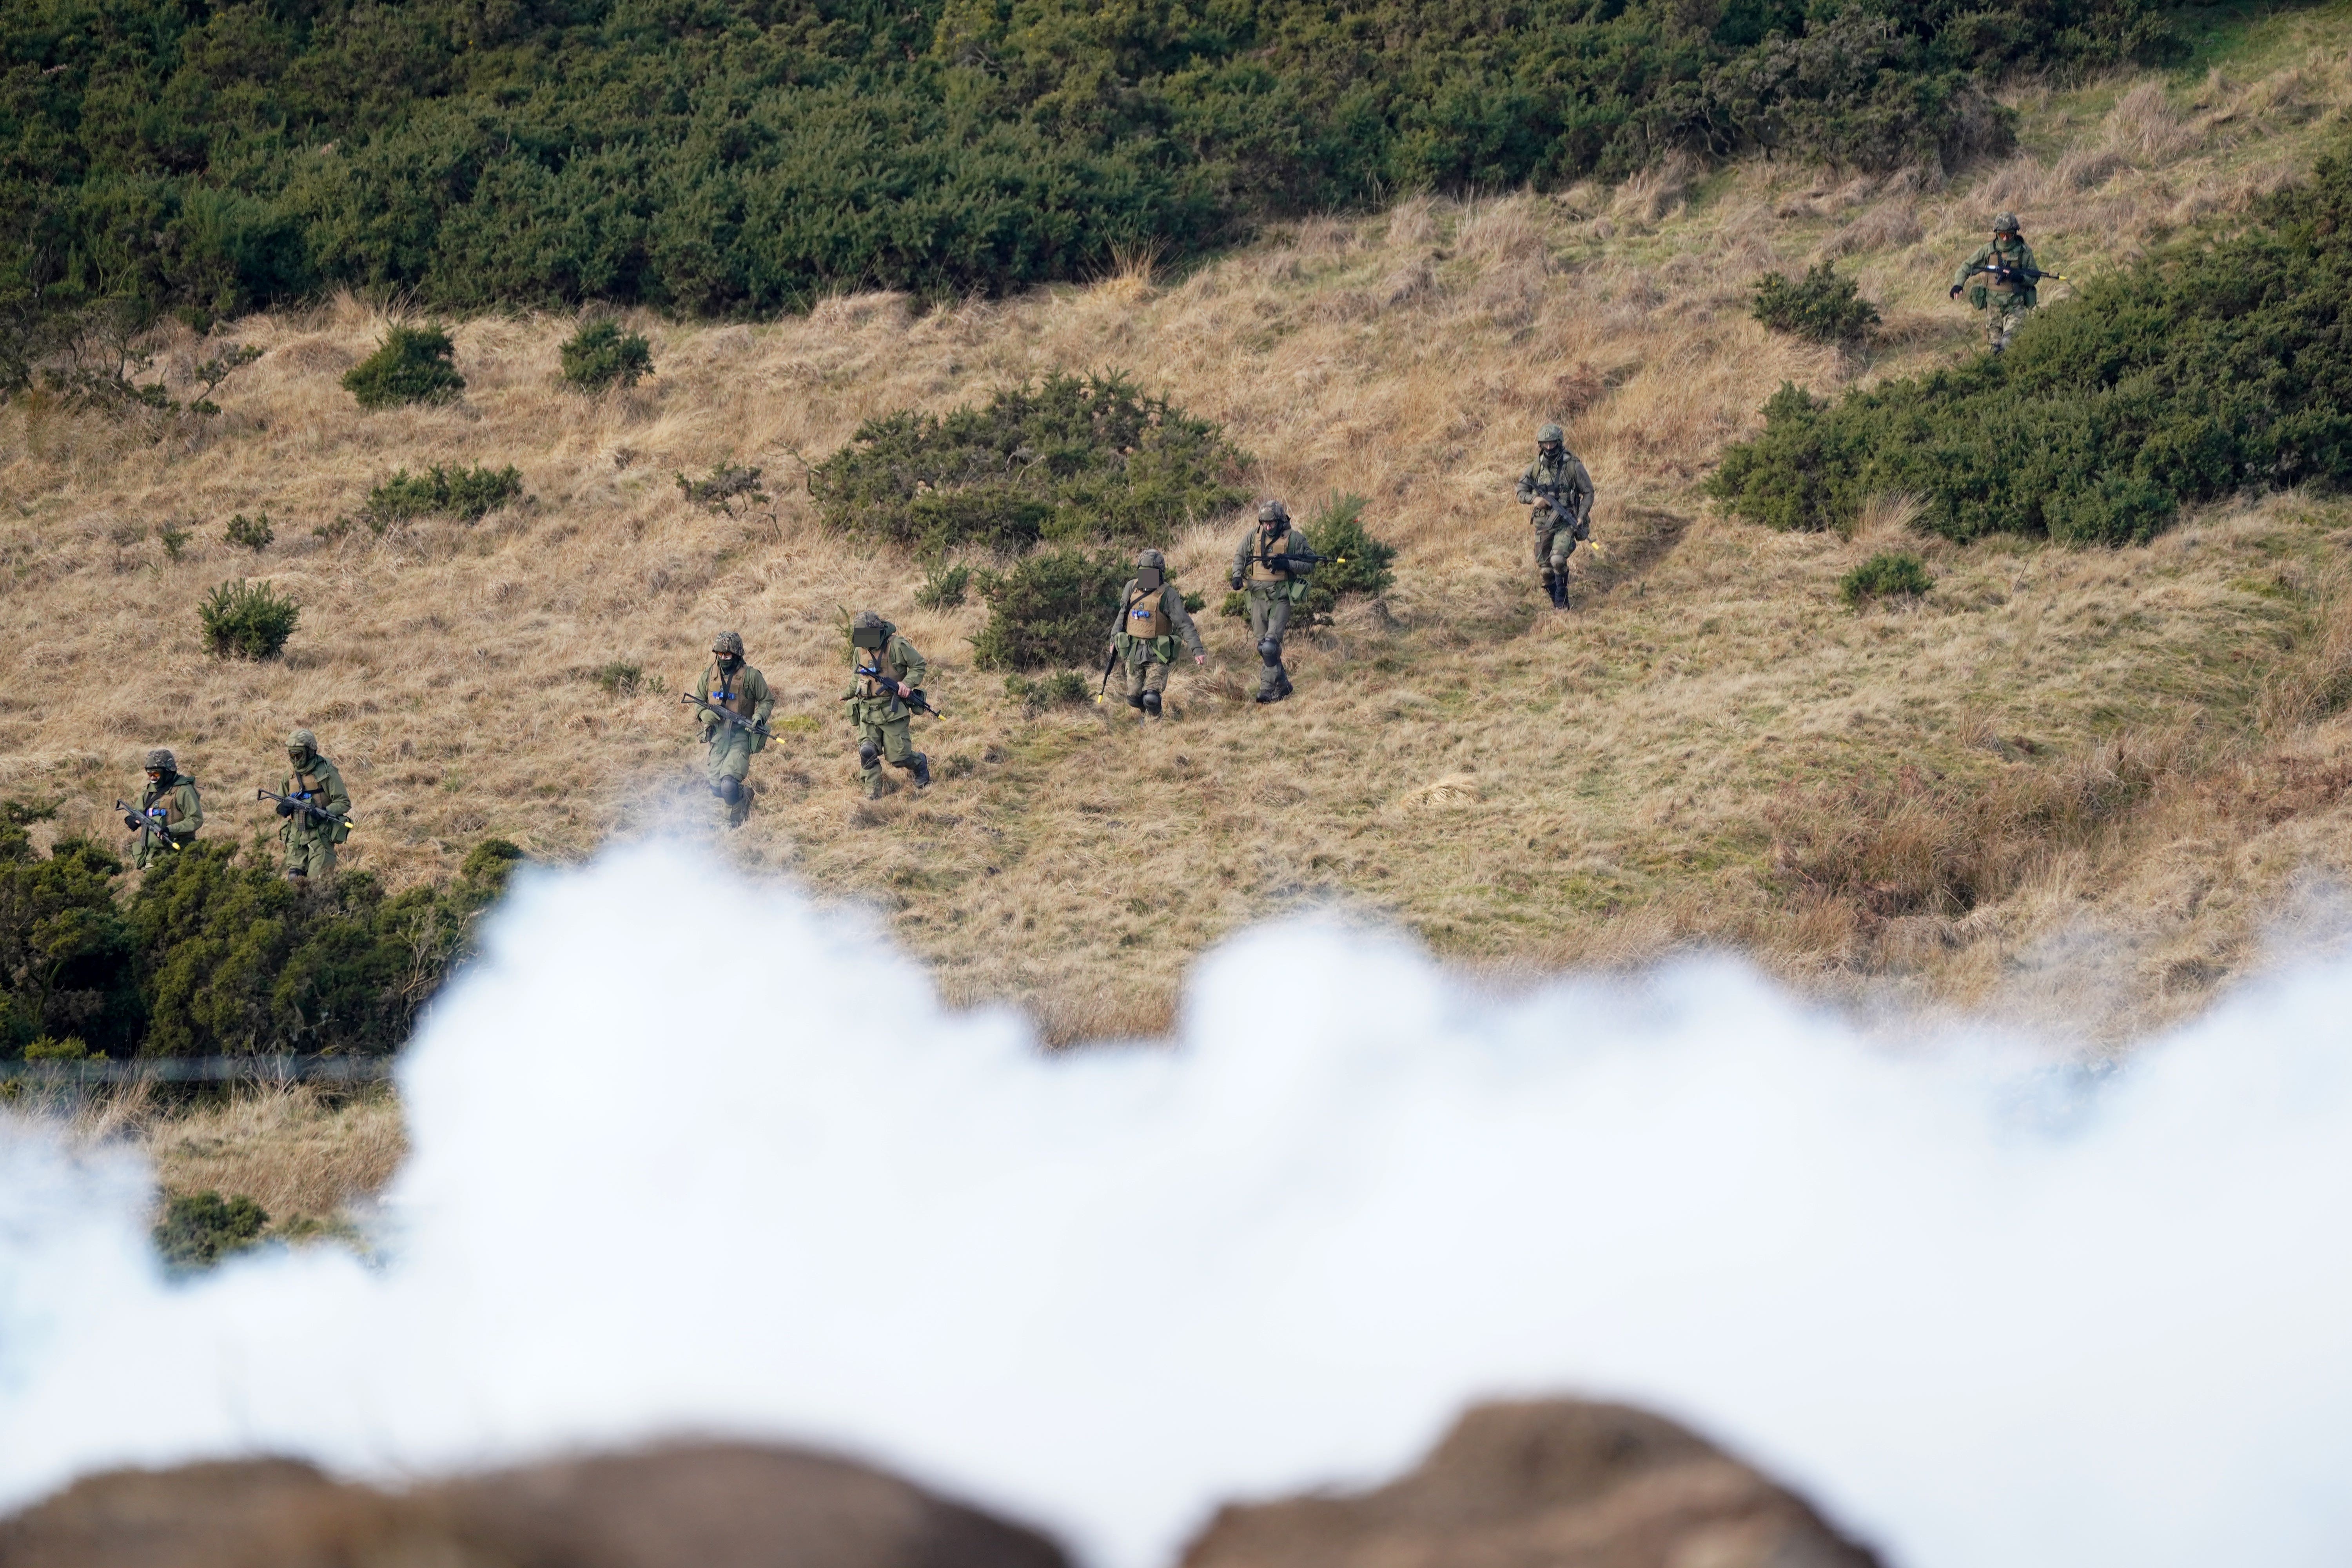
(2063,768)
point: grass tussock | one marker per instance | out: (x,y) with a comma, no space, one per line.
(1681,761)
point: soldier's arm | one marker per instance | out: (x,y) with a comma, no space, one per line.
(1528,486)
(911,665)
(763,699)
(1296,545)
(338,798)
(194,817)
(1125,601)
(1583,492)
(1173,598)
(1969,267)
(1242,552)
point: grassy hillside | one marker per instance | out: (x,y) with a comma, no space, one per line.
(2065,774)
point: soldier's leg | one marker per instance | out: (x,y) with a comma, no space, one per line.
(1562,545)
(1131,679)
(869,758)
(1154,682)
(1278,622)
(727,766)
(1545,532)
(898,749)
(312,858)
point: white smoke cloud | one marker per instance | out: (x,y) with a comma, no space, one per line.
(693,1154)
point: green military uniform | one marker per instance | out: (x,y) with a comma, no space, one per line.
(2000,279)
(1151,623)
(314,781)
(884,721)
(1273,588)
(729,682)
(1556,485)
(170,811)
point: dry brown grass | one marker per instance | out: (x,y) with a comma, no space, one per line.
(1524,791)
(305,1157)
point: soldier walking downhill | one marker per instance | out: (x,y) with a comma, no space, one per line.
(2004,274)
(1272,546)
(170,812)
(313,788)
(730,684)
(1152,620)
(887,671)
(1556,485)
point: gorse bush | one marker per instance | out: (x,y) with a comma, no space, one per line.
(466,494)
(1821,305)
(412,364)
(250,620)
(1056,607)
(944,586)
(724,488)
(1071,458)
(600,356)
(1354,561)
(1895,575)
(2208,367)
(214,956)
(252,533)
(199,1229)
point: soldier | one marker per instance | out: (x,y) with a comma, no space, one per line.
(735,686)
(313,782)
(1281,552)
(1558,487)
(169,813)
(1152,620)
(2005,273)
(888,670)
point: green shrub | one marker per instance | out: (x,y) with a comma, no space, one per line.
(466,494)
(250,620)
(619,678)
(68,957)
(1897,575)
(2210,366)
(600,356)
(1821,305)
(412,364)
(1074,459)
(175,539)
(723,489)
(199,1229)
(252,533)
(72,1048)
(1055,607)
(1063,688)
(1354,561)
(944,586)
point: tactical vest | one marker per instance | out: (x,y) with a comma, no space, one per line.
(738,702)
(1147,619)
(2005,255)
(169,799)
(872,681)
(1268,548)
(307,787)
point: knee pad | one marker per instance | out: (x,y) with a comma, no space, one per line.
(1139,701)
(868,754)
(1149,703)
(728,790)
(1270,649)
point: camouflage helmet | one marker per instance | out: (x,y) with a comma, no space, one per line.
(1551,436)
(160,761)
(728,643)
(1273,512)
(301,741)
(1151,560)
(867,621)
(2006,223)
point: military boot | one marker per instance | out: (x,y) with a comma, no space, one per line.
(920,766)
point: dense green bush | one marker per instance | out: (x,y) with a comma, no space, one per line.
(215,955)
(1056,607)
(2213,365)
(252,533)
(600,356)
(250,620)
(412,364)
(1821,305)
(1074,457)
(1898,574)
(466,494)
(944,586)
(1353,560)
(198,1229)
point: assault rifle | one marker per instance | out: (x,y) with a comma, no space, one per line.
(737,721)
(1993,269)
(915,700)
(1551,499)
(313,812)
(149,824)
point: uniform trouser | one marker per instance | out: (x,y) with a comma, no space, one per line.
(1269,612)
(310,855)
(890,740)
(1555,542)
(153,848)
(2002,312)
(1147,673)
(730,757)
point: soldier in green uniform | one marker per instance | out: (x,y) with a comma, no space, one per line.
(1999,279)
(887,671)
(735,686)
(1558,487)
(169,812)
(1152,619)
(1274,548)
(312,781)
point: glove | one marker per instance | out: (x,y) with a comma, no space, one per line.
(131,821)
(1955,291)
(285,808)
(1236,581)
